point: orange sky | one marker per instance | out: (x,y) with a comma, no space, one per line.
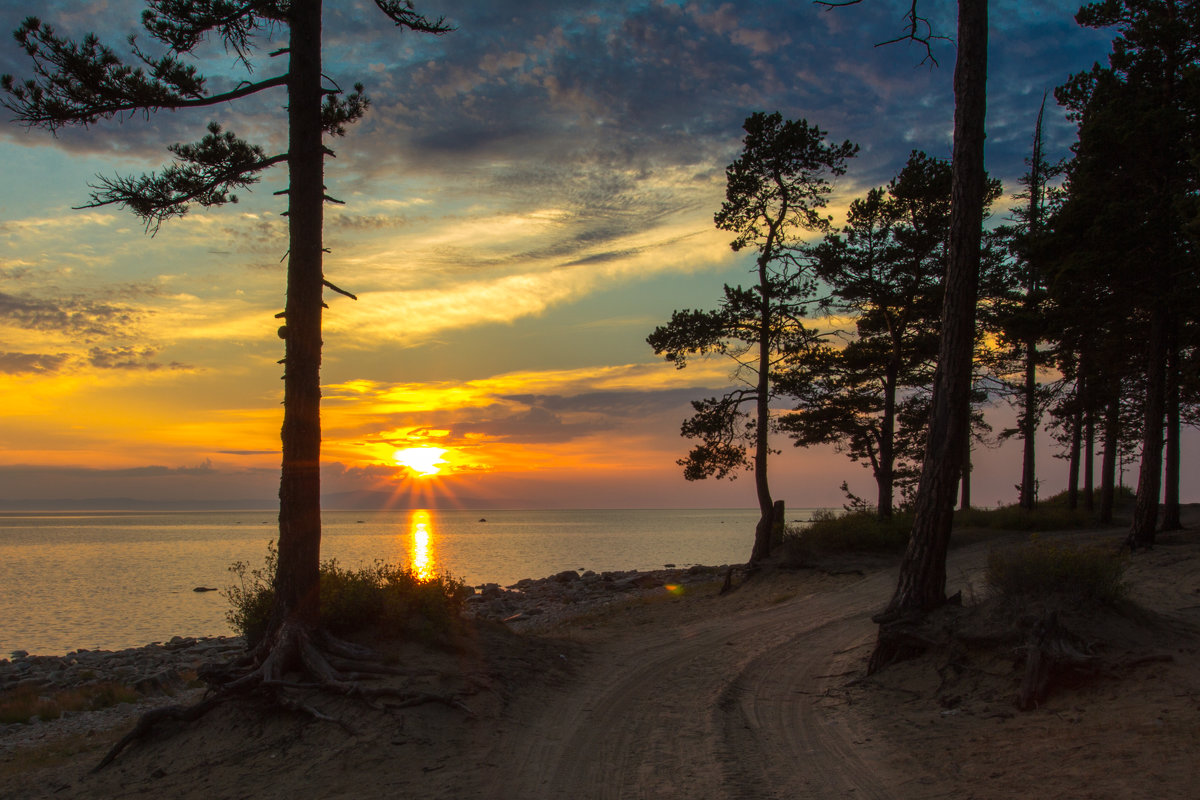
(527,199)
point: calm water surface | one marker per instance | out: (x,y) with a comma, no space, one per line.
(105,580)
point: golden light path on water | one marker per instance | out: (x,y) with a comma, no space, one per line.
(420,524)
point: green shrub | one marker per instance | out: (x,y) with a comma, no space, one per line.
(1046,517)
(854,531)
(1042,569)
(1051,514)
(385,595)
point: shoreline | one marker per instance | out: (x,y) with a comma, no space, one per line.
(120,583)
(162,673)
(517,603)
(758,679)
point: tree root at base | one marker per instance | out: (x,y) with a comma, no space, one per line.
(296,658)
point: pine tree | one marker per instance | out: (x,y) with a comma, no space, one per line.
(1132,189)
(885,269)
(775,190)
(78,83)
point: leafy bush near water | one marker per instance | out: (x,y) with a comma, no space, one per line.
(1038,569)
(383,595)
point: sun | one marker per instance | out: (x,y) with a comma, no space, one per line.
(421,460)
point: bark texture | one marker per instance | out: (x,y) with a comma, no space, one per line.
(297,578)
(922,583)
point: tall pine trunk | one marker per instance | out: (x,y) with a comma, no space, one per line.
(1108,468)
(766,507)
(297,577)
(1145,507)
(1171,520)
(885,475)
(1029,425)
(964,493)
(1074,455)
(1030,409)
(922,583)
(1088,418)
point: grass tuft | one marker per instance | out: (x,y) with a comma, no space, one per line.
(385,595)
(830,532)
(1039,569)
(21,705)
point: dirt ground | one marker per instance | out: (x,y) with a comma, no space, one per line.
(758,693)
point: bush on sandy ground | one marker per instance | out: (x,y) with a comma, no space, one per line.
(830,532)
(1042,569)
(385,595)
(1051,514)
(858,530)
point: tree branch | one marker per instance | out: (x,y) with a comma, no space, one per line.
(339,290)
(919,28)
(404,15)
(204,173)
(80,83)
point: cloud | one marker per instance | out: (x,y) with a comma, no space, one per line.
(127,357)
(26,363)
(76,316)
(535,408)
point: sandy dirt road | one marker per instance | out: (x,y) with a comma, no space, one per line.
(715,706)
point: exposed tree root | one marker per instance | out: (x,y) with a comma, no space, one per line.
(1051,654)
(901,637)
(295,660)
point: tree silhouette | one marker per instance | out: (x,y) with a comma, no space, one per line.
(1015,311)
(885,267)
(922,583)
(775,190)
(1132,188)
(77,83)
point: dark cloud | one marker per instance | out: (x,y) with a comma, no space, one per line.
(85,318)
(25,363)
(581,103)
(535,425)
(646,85)
(559,418)
(189,486)
(14,273)
(48,474)
(617,404)
(128,357)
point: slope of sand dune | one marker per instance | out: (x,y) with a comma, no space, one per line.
(758,693)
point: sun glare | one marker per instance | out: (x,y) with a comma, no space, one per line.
(421,524)
(421,460)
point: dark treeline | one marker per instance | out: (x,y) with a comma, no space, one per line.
(1084,304)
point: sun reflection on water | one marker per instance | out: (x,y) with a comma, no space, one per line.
(421,524)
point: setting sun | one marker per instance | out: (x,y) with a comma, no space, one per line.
(421,460)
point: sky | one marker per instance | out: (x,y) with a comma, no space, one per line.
(527,198)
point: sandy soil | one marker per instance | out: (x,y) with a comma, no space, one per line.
(759,693)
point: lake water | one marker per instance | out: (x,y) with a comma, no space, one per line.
(116,580)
